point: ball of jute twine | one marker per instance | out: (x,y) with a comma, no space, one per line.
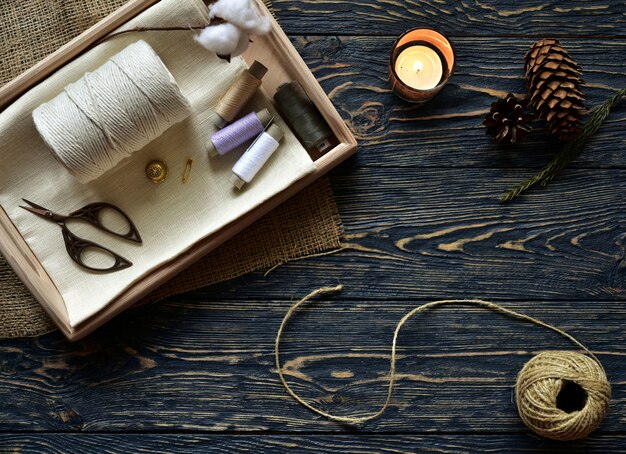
(539,383)
(547,377)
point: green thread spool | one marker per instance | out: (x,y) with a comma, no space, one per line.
(303,117)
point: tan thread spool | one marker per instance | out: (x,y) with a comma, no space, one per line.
(546,378)
(239,93)
(540,380)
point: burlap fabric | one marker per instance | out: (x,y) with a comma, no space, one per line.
(307,224)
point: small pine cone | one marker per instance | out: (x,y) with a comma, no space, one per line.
(508,120)
(554,83)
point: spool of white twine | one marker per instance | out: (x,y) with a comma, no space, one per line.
(112,112)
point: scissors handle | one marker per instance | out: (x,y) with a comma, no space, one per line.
(77,246)
(92,214)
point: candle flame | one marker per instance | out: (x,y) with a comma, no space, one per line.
(418,66)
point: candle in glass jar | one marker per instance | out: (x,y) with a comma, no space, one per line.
(421,63)
(420,67)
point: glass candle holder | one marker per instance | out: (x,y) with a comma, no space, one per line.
(421,63)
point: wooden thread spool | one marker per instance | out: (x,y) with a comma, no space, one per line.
(239,94)
(303,117)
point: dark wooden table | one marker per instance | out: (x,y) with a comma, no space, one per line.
(422,221)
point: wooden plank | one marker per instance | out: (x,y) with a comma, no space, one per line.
(188,443)
(466,18)
(208,366)
(448,131)
(433,233)
(424,225)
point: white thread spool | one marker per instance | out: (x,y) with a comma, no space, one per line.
(112,112)
(256,156)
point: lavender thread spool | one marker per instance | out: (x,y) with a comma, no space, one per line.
(234,135)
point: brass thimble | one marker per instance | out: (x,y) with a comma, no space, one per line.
(156,171)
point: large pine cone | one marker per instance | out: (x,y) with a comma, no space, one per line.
(554,83)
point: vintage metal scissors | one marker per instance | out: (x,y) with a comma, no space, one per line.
(77,246)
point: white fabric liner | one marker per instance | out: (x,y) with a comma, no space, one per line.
(171,217)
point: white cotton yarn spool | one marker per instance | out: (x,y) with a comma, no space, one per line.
(256,156)
(112,112)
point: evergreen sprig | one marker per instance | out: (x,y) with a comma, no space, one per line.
(569,151)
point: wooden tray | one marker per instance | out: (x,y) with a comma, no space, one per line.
(287,65)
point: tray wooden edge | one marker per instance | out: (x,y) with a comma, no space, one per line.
(30,271)
(23,260)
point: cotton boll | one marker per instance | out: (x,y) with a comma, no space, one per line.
(242,45)
(257,25)
(242,14)
(232,37)
(229,10)
(223,39)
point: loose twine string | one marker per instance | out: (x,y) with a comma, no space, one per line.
(112,112)
(538,383)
